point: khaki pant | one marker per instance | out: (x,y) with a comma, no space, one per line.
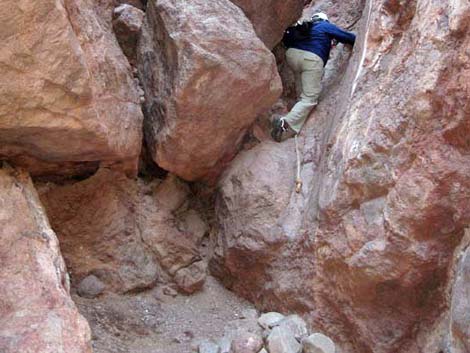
(308,70)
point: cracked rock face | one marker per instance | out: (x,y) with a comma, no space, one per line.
(127,233)
(64,100)
(206,77)
(364,251)
(36,311)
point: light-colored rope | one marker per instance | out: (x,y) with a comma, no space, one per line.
(298,180)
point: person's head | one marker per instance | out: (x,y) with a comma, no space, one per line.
(319,16)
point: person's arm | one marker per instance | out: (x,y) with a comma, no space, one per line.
(341,35)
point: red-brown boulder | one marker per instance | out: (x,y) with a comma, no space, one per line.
(270,18)
(206,77)
(67,95)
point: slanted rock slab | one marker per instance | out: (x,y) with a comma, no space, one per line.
(36,311)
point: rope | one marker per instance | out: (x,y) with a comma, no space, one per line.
(298,180)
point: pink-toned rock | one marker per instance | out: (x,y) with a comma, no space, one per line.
(67,94)
(123,231)
(270,18)
(364,251)
(206,77)
(37,314)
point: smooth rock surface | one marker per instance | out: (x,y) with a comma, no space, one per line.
(271,17)
(206,77)
(37,314)
(67,95)
(318,343)
(281,341)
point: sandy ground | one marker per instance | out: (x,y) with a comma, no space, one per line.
(152,322)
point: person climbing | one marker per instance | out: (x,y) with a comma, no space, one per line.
(309,44)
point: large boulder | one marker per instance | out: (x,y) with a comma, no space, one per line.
(253,193)
(271,17)
(125,232)
(363,251)
(67,95)
(206,77)
(37,314)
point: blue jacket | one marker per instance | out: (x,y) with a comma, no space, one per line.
(319,39)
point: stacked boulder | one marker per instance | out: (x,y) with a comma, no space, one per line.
(206,77)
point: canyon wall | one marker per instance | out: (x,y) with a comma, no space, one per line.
(366,250)
(372,251)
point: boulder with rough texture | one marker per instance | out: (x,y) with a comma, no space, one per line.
(127,22)
(123,231)
(206,77)
(37,314)
(363,252)
(271,17)
(67,96)
(318,343)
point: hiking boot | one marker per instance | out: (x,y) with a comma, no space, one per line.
(278,127)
